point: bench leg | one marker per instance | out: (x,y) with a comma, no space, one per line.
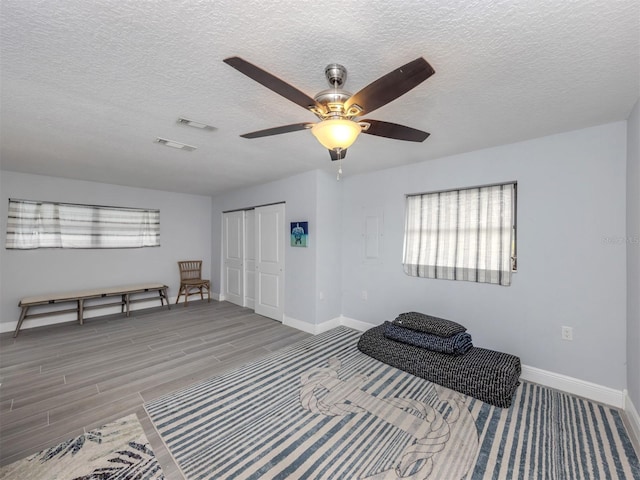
(163,297)
(81,312)
(23,314)
(126,301)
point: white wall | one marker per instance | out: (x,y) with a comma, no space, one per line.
(314,197)
(571,210)
(299,194)
(328,239)
(185,233)
(633,255)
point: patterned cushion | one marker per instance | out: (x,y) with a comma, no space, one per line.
(428,324)
(487,375)
(454,345)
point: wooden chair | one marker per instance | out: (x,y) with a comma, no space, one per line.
(191,281)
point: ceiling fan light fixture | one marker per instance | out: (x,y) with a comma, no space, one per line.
(336,133)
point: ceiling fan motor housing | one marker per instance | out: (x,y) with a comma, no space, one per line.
(336,75)
(333,102)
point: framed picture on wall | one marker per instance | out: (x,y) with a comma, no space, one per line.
(299,234)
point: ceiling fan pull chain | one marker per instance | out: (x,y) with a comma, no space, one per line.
(339,168)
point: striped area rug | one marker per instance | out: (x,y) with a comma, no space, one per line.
(322,409)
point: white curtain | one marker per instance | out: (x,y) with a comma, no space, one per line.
(63,225)
(461,234)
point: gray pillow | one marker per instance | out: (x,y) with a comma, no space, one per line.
(428,324)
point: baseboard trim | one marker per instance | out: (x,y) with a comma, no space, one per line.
(326,326)
(7,327)
(298,324)
(355,324)
(309,327)
(575,386)
(633,420)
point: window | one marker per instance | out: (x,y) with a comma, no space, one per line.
(65,225)
(467,234)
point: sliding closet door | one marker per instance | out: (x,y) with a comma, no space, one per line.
(250,259)
(233,253)
(269,282)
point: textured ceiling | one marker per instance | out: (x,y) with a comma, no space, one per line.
(87,86)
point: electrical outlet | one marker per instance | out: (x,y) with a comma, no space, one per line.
(365,295)
(567,333)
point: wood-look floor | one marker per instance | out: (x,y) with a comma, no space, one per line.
(60,381)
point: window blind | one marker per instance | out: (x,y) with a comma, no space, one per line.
(33,224)
(466,234)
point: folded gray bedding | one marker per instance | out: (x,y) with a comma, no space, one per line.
(484,374)
(454,345)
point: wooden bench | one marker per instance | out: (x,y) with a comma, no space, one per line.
(80,298)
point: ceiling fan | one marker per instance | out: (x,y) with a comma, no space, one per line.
(338,110)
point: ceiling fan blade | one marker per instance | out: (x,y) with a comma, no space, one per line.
(273,83)
(335,156)
(278,130)
(390,86)
(395,131)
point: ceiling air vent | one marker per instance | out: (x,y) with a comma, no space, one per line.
(193,123)
(174,144)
